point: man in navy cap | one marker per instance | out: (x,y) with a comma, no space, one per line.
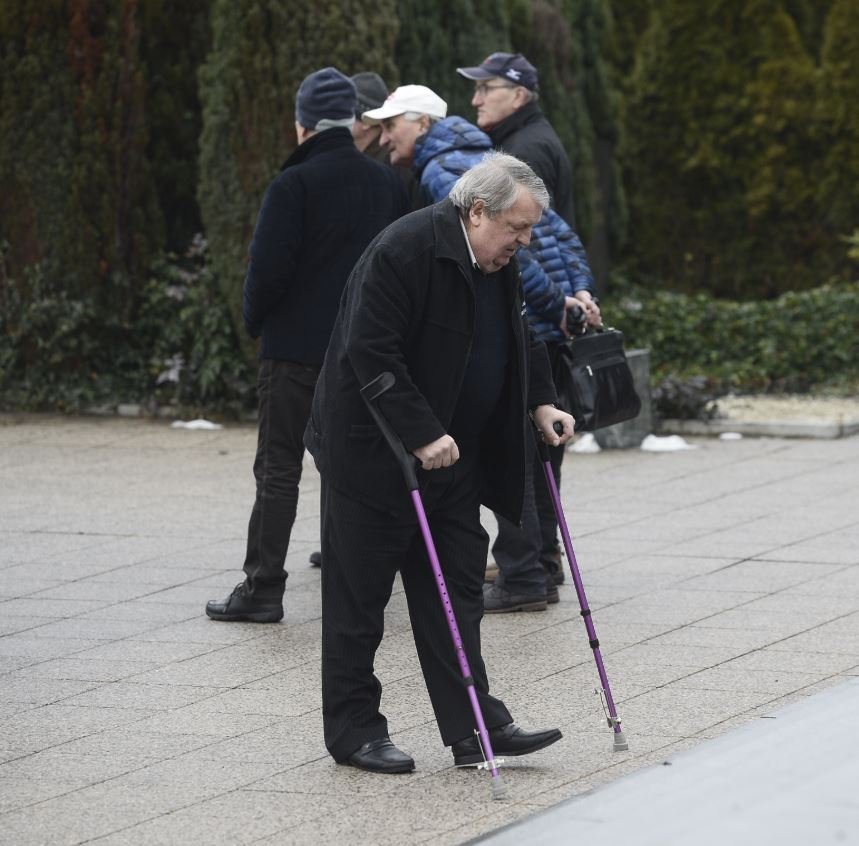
(506,99)
(318,215)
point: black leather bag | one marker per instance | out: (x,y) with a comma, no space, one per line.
(593,380)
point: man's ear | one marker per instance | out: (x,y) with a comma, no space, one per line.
(521,96)
(477,212)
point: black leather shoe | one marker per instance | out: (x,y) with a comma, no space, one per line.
(552,595)
(553,565)
(381,756)
(509,740)
(497,600)
(315,559)
(239,607)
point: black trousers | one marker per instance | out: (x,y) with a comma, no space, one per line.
(524,554)
(363,548)
(543,498)
(285,394)
(548,522)
(517,549)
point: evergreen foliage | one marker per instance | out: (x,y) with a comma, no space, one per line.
(77,197)
(838,191)
(607,230)
(630,18)
(175,40)
(177,353)
(553,44)
(809,17)
(718,138)
(769,345)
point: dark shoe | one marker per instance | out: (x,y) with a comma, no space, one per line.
(497,600)
(381,756)
(315,559)
(553,565)
(551,590)
(509,740)
(239,607)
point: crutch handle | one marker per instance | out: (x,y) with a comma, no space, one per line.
(371,393)
(542,446)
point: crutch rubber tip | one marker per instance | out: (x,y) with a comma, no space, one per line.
(499,789)
(620,744)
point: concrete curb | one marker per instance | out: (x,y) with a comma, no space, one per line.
(828,429)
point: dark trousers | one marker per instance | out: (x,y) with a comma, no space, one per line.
(517,548)
(363,548)
(548,521)
(285,394)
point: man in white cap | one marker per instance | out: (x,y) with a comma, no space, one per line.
(407,114)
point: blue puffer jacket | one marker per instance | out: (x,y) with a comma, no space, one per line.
(553,266)
(450,147)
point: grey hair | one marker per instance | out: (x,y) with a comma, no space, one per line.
(333,123)
(496,180)
(413,116)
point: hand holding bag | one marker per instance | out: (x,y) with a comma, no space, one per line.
(593,380)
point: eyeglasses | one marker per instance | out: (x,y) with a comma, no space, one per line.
(483,88)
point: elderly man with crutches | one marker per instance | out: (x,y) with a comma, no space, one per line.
(436,303)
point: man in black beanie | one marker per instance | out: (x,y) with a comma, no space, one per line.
(372,92)
(318,214)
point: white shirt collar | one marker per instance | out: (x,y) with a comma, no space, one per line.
(474,262)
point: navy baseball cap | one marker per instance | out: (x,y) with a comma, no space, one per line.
(513,67)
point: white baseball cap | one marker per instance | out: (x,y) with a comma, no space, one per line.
(408,98)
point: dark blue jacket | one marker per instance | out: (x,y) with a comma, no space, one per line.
(447,150)
(327,203)
(553,266)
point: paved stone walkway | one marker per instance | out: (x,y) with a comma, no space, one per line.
(724,583)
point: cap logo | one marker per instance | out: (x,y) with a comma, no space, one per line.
(513,73)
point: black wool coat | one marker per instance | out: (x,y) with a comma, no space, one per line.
(529,136)
(408,308)
(327,203)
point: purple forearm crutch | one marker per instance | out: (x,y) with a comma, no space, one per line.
(620,743)
(371,392)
